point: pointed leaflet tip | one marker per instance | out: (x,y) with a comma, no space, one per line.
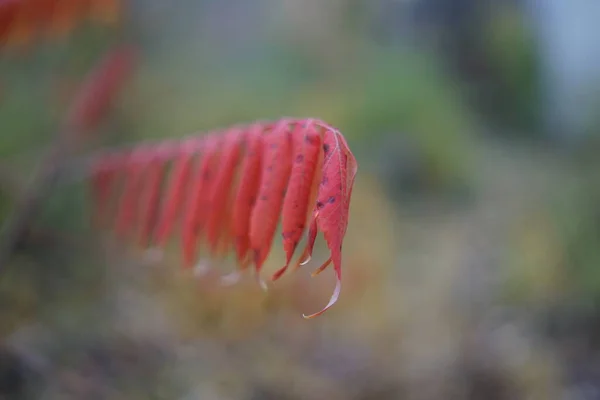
(310,243)
(308,258)
(332,300)
(279,273)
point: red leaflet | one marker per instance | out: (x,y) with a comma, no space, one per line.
(126,211)
(196,210)
(310,243)
(333,201)
(176,193)
(104,179)
(245,198)
(306,150)
(285,167)
(274,177)
(150,197)
(217,230)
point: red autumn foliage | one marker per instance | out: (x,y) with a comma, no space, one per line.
(98,90)
(22,20)
(229,190)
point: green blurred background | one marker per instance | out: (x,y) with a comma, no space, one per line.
(470,266)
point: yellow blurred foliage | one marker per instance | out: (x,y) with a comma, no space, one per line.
(535,270)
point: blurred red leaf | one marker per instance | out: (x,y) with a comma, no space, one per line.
(22,20)
(99,89)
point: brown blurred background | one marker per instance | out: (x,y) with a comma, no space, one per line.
(471,264)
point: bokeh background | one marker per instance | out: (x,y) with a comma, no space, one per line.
(471,264)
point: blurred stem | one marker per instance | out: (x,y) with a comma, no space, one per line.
(28,202)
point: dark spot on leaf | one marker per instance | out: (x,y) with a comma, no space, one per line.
(331,200)
(299,158)
(310,140)
(326,148)
(320,205)
(324,181)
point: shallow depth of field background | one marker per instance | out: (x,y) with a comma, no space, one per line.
(472,259)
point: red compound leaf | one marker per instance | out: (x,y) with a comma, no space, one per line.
(231,188)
